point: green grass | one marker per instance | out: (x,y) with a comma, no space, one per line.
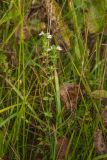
(32,116)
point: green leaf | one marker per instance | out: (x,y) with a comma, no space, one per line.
(9,15)
(1,143)
(1,139)
(99,94)
(48,114)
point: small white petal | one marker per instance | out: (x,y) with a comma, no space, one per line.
(49,49)
(49,36)
(59,48)
(52,47)
(41,33)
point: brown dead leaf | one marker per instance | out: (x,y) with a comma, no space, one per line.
(39,158)
(34,22)
(37,11)
(104,117)
(99,143)
(70,94)
(104,101)
(62,147)
(5,158)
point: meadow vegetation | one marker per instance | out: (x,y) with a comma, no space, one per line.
(53,79)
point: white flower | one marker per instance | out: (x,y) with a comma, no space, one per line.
(49,36)
(41,33)
(33,2)
(59,48)
(50,49)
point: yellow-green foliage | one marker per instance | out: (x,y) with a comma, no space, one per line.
(96,16)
